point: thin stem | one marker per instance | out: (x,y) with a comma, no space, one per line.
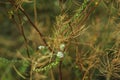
(90,11)
(23,34)
(108,76)
(77,29)
(20,28)
(31,70)
(40,34)
(35,12)
(60,71)
(33,25)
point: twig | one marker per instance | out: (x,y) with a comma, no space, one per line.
(20,28)
(22,32)
(90,11)
(18,72)
(40,34)
(35,12)
(77,29)
(33,25)
(60,71)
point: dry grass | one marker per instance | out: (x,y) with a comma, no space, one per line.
(90,35)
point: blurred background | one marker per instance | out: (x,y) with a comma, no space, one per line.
(102,34)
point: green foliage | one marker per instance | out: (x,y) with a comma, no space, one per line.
(48,67)
(6,61)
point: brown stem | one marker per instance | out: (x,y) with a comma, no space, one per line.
(20,28)
(40,34)
(85,18)
(88,14)
(60,71)
(35,12)
(23,34)
(33,25)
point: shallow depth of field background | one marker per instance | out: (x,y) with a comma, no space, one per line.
(98,55)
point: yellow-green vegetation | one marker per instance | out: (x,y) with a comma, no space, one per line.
(60,40)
